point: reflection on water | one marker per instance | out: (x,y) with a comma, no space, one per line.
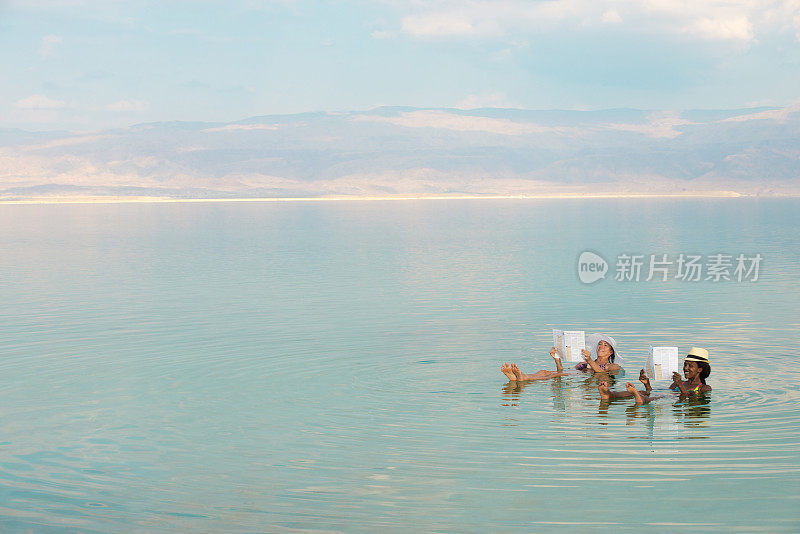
(571,395)
(240,368)
(694,410)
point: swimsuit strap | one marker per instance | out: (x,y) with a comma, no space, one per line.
(696,389)
(584,365)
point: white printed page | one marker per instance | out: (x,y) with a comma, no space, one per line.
(662,362)
(558,342)
(574,343)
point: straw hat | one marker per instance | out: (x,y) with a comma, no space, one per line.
(697,355)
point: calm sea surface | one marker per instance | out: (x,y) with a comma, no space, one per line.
(286,367)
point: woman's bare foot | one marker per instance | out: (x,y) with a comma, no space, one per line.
(520,376)
(506,370)
(633,391)
(604,391)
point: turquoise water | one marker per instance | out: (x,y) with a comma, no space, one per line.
(335,367)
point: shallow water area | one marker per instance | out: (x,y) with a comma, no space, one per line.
(335,367)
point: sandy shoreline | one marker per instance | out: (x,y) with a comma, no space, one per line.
(131,200)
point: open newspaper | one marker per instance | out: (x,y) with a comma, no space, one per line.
(661,363)
(569,344)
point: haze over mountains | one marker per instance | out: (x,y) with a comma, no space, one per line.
(416,152)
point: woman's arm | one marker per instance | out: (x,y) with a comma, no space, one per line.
(675,379)
(587,356)
(677,382)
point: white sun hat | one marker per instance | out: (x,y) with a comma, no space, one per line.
(591,344)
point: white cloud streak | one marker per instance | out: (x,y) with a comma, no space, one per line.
(492,100)
(611,17)
(658,125)
(773,114)
(735,29)
(737,21)
(39,102)
(463,123)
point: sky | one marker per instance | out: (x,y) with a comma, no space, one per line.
(85,65)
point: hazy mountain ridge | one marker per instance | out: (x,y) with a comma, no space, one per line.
(409,151)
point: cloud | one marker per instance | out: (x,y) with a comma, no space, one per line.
(480,18)
(128,105)
(240,127)
(728,20)
(463,123)
(443,25)
(39,102)
(49,43)
(660,126)
(736,29)
(381,34)
(780,114)
(611,17)
(492,100)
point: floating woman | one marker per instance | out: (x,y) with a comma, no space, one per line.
(696,368)
(606,354)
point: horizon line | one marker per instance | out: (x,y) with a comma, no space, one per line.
(167,200)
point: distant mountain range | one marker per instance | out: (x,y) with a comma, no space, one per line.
(416,152)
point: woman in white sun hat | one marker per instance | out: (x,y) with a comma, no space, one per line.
(604,350)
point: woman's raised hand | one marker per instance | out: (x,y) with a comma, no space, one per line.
(586,355)
(643,378)
(676,377)
(553,352)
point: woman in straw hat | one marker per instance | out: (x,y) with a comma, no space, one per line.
(696,368)
(606,350)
